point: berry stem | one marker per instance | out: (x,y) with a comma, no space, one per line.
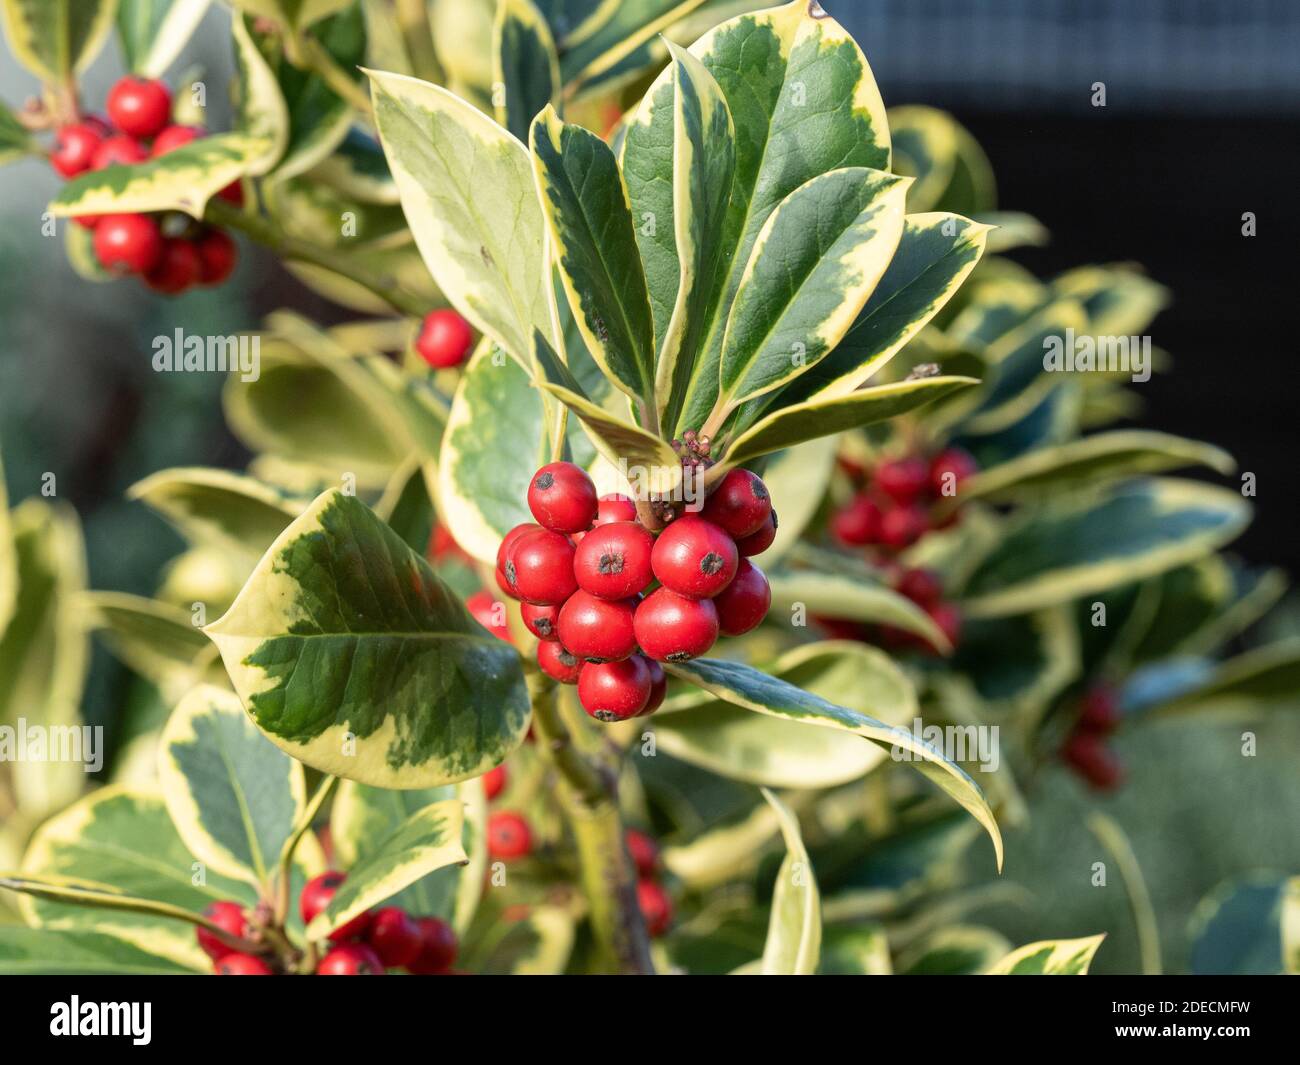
(267,233)
(284,877)
(588,796)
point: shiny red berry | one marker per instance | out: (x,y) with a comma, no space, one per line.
(613,560)
(504,556)
(598,630)
(217,255)
(922,586)
(128,243)
(557,663)
(1099,710)
(315,898)
(489,612)
(615,507)
(739,504)
(656,907)
(438,947)
(674,628)
(757,543)
(901,526)
(614,691)
(174,137)
(658,687)
(540,567)
(509,836)
(903,480)
(394,936)
(230,918)
(139,106)
(118,150)
(235,964)
(177,268)
(74,149)
(494,782)
(350,959)
(949,469)
(1094,760)
(744,603)
(643,851)
(541,620)
(444,340)
(694,557)
(562,497)
(857,522)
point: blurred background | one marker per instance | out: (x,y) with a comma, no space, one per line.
(1199,126)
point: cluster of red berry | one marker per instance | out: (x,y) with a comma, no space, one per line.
(1086,750)
(170,252)
(893,506)
(585,572)
(368,945)
(655,902)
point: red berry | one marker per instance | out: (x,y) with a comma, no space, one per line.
(174,137)
(615,507)
(233,193)
(948,618)
(177,269)
(139,106)
(444,339)
(540,567)
(1099,710)
(316,896)
(541,620)
(922,586)
(350,959)
(217,254)
(757,543)
(557,663)
(74,149)
(394,936)
(949,468)
(857,522)
(901,526)
(599,630)
(743,604)
(903,480)
(643,850)
(118,150)
(235,964)
(128,243)
(673,628)
(438,947)
(562,497)
(739,504)
(694,557)
(504,553)
(230,917)
(494,782)
(490,613)
(615,691)
(658,687)
(656,907)
(613,560)
(1091,757)
(508,836)
(98,124)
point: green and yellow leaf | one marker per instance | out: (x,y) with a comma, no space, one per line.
(1051,957)
(38,952)
(56,38)
(153,32)
(525,67)
(836,595)
(794,930)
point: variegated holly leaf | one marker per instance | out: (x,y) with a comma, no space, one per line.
(852,598)
(157,640)
(1051,957)
(182,180)
(153,32)
(800,89)
(38,952)
(15,141)
(1261,676)
(1241,927)
(745,686)
(427,840)
(1020,662)
(294,15)
(958,950)
(725,738)
(261,108)
(352,656)
(794,931)
(1136,530)
(525,66)
(233,796)
(466,186)
(55,38)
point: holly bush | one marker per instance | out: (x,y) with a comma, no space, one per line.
(632,280)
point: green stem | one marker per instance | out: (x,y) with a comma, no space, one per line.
(588,797)
(316,58)
(267,233)
(284,877)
